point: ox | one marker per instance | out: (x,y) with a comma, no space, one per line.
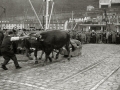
(54,39)
(32,42)
(47,41)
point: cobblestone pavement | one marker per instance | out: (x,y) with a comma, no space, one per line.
(118,88)
(59,75)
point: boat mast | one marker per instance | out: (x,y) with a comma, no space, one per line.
(50,15)
(47,15)
(106,19)
(35,14)
(46,20)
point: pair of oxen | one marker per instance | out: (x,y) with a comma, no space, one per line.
(47,41)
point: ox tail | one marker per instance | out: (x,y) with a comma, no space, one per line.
(73,48)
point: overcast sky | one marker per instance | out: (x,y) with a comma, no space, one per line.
(17,7)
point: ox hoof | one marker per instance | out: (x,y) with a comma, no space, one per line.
(50,59)
(56,57)
(43,64)
(52,56)
(36,62)
(39,58)
(30,58)
(68,59)
(65,55)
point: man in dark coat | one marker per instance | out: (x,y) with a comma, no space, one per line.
(1,39)
(7,51)
(117,37)
(93,37)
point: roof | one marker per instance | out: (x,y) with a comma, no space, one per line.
(92,24)
(109,1)
(11,22)
(104,1)
(115,1)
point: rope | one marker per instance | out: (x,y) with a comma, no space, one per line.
(35,14)
(41,9)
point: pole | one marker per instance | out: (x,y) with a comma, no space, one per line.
(50,14)
(36,14)
(43,19)
(72,15)
(4,11)
(26,17)
(117,19)
(106,18)
(47,5)
(75,26)
(72,20)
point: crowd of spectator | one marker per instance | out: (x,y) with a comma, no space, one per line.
(92,36)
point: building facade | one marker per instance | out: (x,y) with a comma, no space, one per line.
(29,25)
(11,25)
(109,3)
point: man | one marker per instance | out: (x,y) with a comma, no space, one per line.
(104,36)
(1,39)
(88,34)
(107,36)
(93,37)
(7,51)
(117,37)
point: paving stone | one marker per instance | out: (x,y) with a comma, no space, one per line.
(49,76)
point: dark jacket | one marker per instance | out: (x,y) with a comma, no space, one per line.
(6,43)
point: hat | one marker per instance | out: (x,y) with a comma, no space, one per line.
(10,32)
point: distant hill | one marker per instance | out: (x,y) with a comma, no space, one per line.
(18,7)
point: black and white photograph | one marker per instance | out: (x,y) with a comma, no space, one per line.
(59,44)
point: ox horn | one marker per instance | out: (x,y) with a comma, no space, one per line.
(40,36)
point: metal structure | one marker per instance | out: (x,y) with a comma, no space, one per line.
(47,20)
(4,12)
(36,14)
(106,19)
(50,15)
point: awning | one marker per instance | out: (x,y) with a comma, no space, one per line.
(92,24)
